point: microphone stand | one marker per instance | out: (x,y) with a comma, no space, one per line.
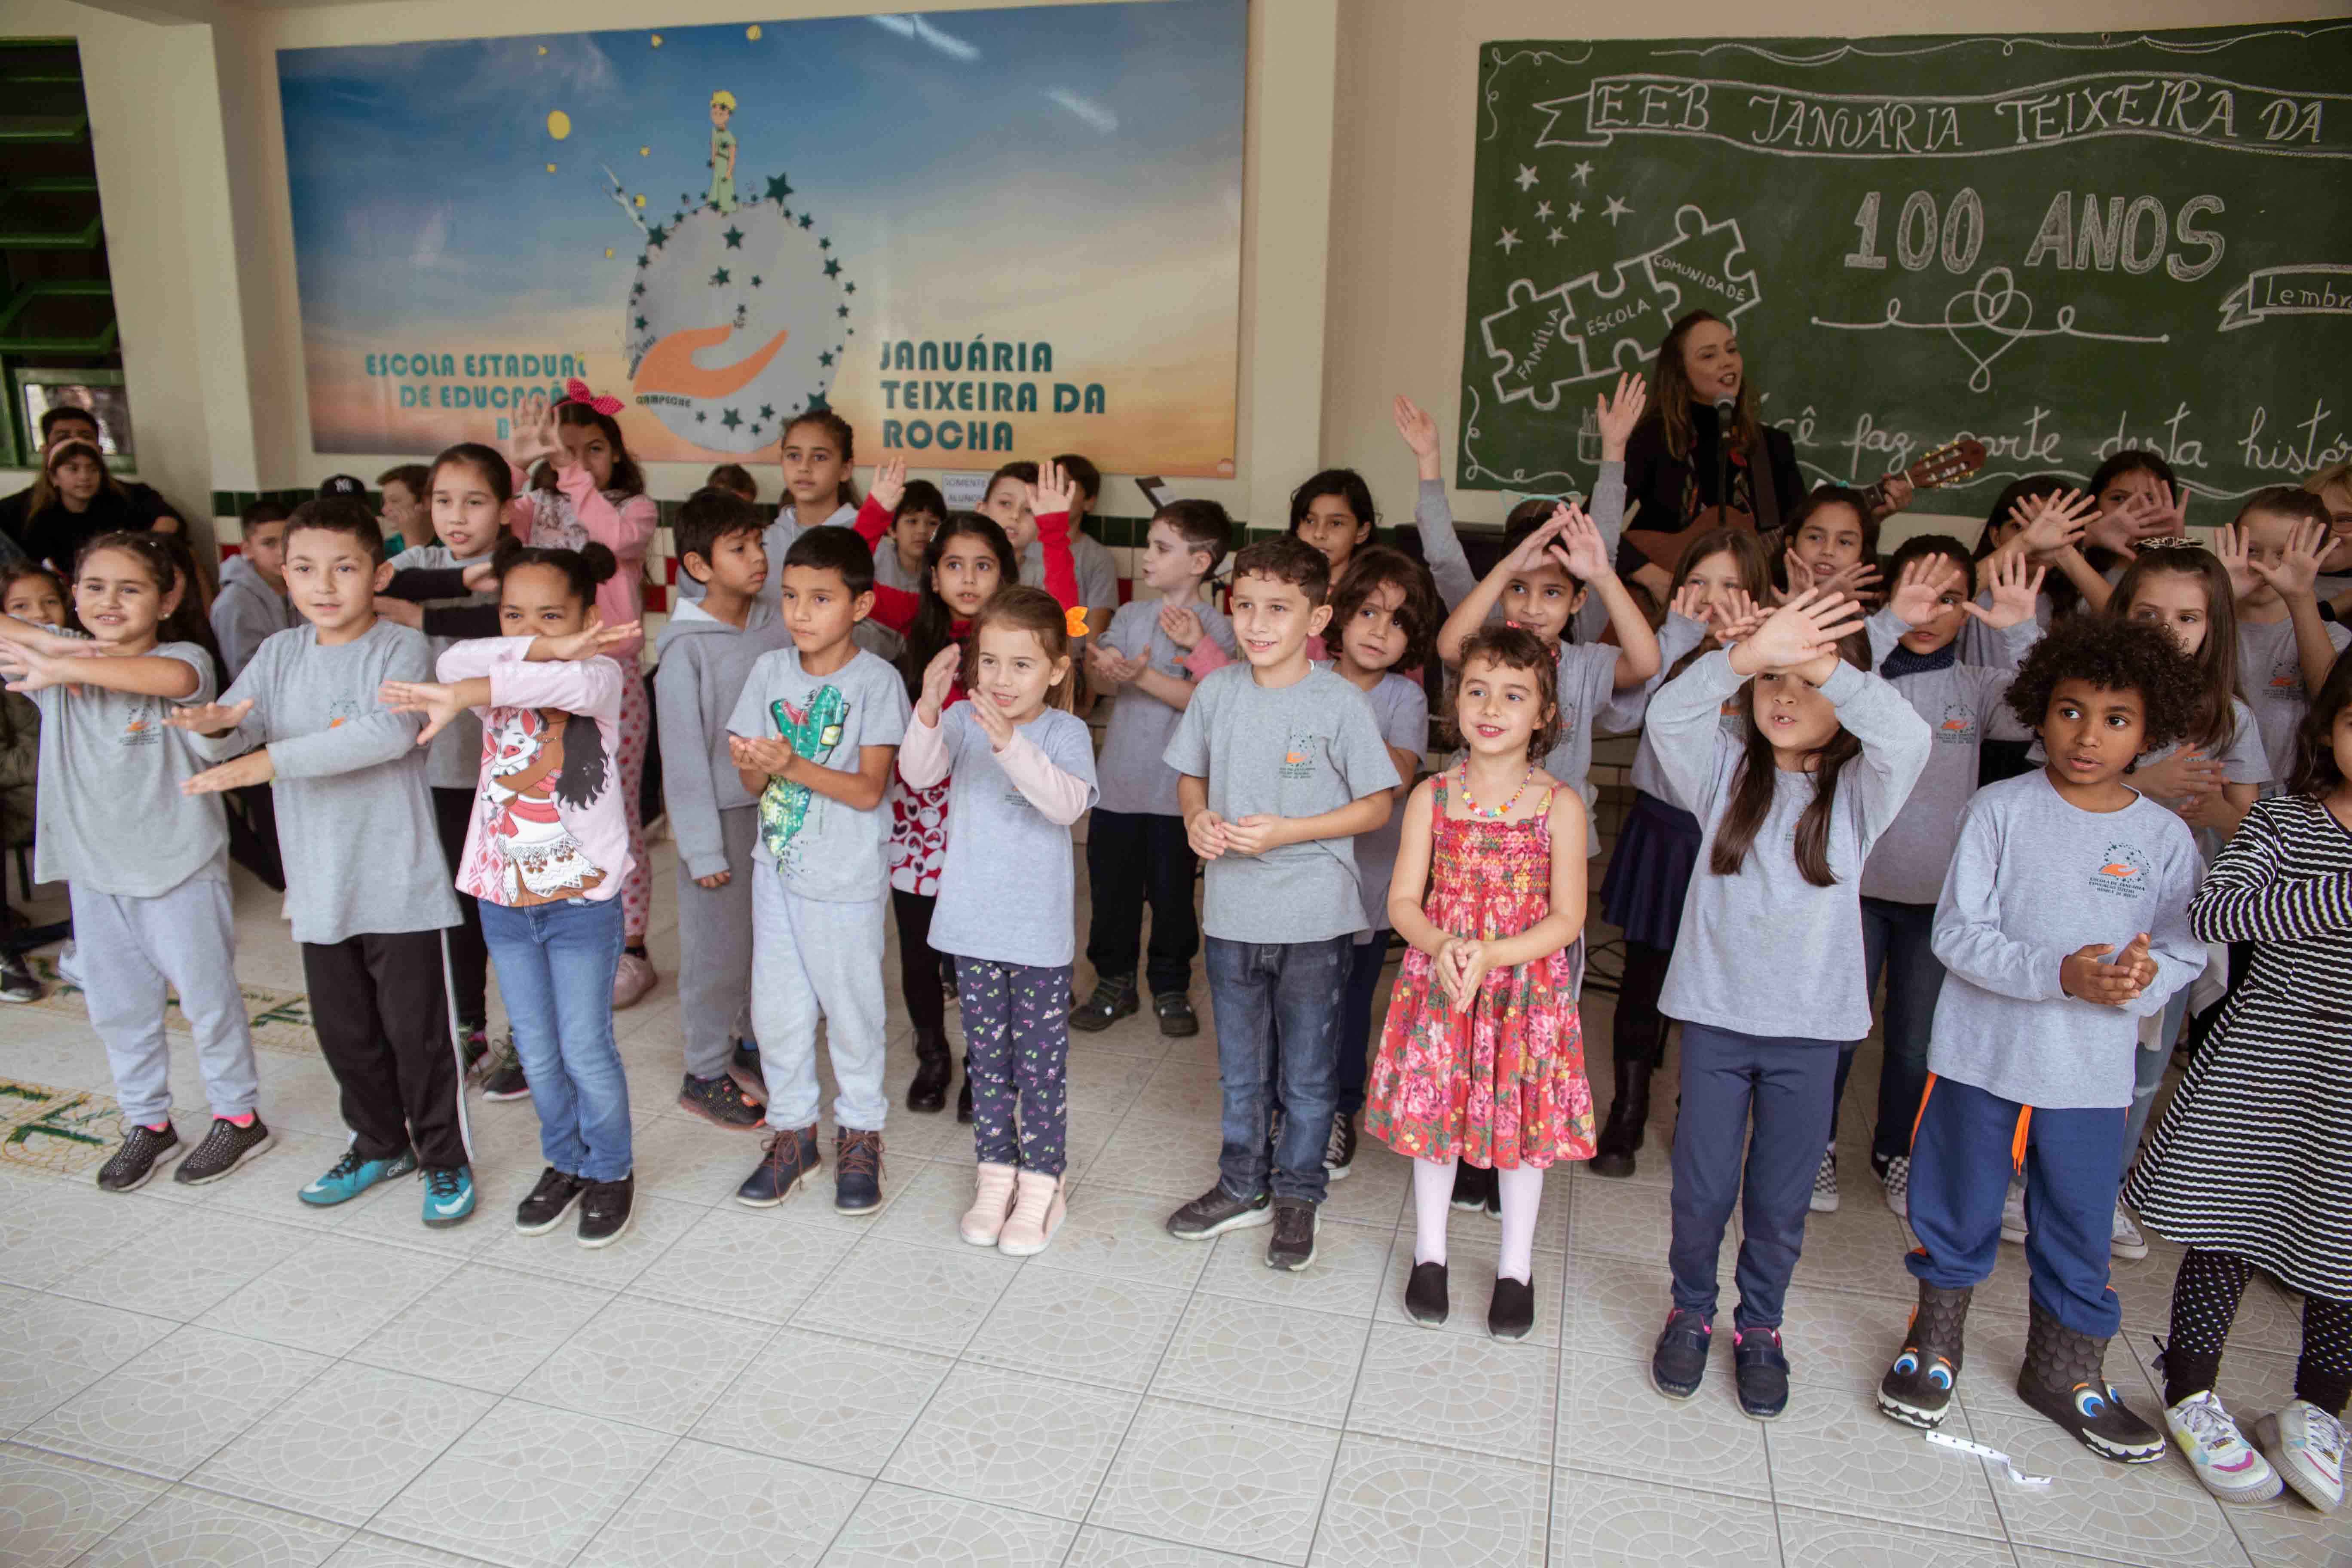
(1722,467)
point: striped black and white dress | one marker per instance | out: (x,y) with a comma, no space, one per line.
(2254,1154)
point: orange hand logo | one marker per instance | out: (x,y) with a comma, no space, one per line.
(669,365)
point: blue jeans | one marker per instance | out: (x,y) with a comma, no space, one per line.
(1960,1167)
(1902,938)
(1355,1044)
(1255,987)
(555,971)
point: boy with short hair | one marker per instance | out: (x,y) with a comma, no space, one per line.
(251,606)
(814,736)
(1135,846)
(705,654)
(2064,920)
(407,511)
(1282,764)
(366,889)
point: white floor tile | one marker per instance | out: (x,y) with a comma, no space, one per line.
(527,1486)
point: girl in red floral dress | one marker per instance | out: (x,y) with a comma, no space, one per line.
(1482,1058)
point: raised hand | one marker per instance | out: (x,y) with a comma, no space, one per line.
(2015,586)
(2296,571)
(1918,591)
(1808,628)
(1618,415)
(1182,625)
(1690,602)
(2231,548)
(208,718)
(938,680)
(992,721)
(889,486)
(437,702)
(533,438)
(1531,552)
(253,768)
(1853,581)
(2143,518)
(1736,618)
(2049,523)
(1054,491)
(2083,975)
(1420,433)
(1579,549)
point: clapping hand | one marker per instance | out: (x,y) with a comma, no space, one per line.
(2083,975)
(772,755)
(938,683)
(1182,625)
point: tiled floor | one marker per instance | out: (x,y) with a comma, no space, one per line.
(220,1376)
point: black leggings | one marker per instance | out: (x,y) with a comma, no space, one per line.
(919,966)
(1639,1034)
(2205,1295)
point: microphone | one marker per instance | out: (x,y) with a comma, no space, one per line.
(1725,406)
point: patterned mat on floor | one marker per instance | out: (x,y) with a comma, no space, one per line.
(61,1131)
(280,1020)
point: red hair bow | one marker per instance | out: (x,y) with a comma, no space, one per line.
(576,391)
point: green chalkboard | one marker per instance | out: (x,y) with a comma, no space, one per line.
(2059,245)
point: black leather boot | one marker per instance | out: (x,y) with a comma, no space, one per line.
(963,1095)
(935,1069)
(1629,1114)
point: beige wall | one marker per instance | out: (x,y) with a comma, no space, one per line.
(1358,158)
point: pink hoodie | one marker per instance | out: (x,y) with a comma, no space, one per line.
(578,513)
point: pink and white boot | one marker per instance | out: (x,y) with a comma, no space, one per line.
(991,1202)
(1037,1212)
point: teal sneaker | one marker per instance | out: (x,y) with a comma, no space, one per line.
(448,1195)
(349,1176)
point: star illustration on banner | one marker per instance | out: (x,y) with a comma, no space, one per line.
(755,281)
(641,323)
(730,419)
(767,411)
(733,236)
(1527,176)
(1583,172)
(817,401)
(699,416)
(1616,210)
(1575,211)
(1510,238)
(1543,211)
(778,187)
(807,222)
(718,278)
(657,236)
(833,266)
(1555,236)
(849,288)
(825,359)
(825,245)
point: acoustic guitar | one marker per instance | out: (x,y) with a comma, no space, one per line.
(1951,462)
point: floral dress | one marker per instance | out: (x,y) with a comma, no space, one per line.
(1503,1084)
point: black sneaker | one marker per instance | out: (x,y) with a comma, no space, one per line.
(747,1058)
(1679,1360)
(1763,1368)
(1339,1154)
(605,1210)
(963,1096)
(1292,1246)
(1511,1315)
(1215,1212)
(1177,1019)
(722,1103)
(477,1037)
(144,1153)
(18,981)
(1424,1294)
(502,1079)
(224,1148)
(1470,1185)
(1114,999)
(549,1202)
(856,1171)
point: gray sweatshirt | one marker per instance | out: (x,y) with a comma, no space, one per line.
(1764,951)
(453,759)
(1441,545)
(354,820)
(1963,705)
(248,612)
(2033,879)
(1677,637)
(703,665)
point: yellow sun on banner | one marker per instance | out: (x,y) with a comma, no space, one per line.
(657,40)
(559,124)
(608,253)
(752,32)
(551,168)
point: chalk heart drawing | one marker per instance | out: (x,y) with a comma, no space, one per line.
(1996,305)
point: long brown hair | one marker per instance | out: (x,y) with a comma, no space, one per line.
(837,430)
(167,568)
(1751,797)
(1017,607)
(1671,395)
(2216,724)
(44,485)
(627,478)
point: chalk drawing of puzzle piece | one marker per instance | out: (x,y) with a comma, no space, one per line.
(1703,268)
(1534,337)
(1620,316)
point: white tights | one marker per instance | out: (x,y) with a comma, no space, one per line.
(1522,1193)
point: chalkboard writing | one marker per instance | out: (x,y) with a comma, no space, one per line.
(2060,246)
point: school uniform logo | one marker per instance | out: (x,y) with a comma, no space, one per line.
(1299,755)
(2285,683)
(341,712)
(1957,727)
(143,725)
(2123,873)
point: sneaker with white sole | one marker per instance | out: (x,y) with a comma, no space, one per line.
(2125,1240)
(2012,1213)
(2308,1443)
(2227,1464)
(1895,1181)
(1340,1151)
(224,1148)
(1825,1188)
(145,1151)
(448,1195)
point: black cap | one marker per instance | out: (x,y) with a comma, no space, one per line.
(341,484)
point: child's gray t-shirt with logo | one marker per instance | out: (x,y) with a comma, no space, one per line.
(825,850)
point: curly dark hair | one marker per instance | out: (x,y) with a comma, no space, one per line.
(1512,647)
(2315,774)
(2112,656)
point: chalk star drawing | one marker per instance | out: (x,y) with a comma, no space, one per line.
(1588,329)
(1987,320)
(1509,240)
(1555,236)
(1575,211)
(1526,176)
(1583,172)
(1617,209)
(1543,211)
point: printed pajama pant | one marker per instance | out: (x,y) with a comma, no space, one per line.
(1017,1034)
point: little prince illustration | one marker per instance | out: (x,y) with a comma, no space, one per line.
(722,151)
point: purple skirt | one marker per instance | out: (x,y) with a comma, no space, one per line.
(1657,849)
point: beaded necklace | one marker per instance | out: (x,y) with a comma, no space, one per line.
(1471,808)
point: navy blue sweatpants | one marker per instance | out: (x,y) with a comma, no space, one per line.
(1783,1084)
(1961,1158)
